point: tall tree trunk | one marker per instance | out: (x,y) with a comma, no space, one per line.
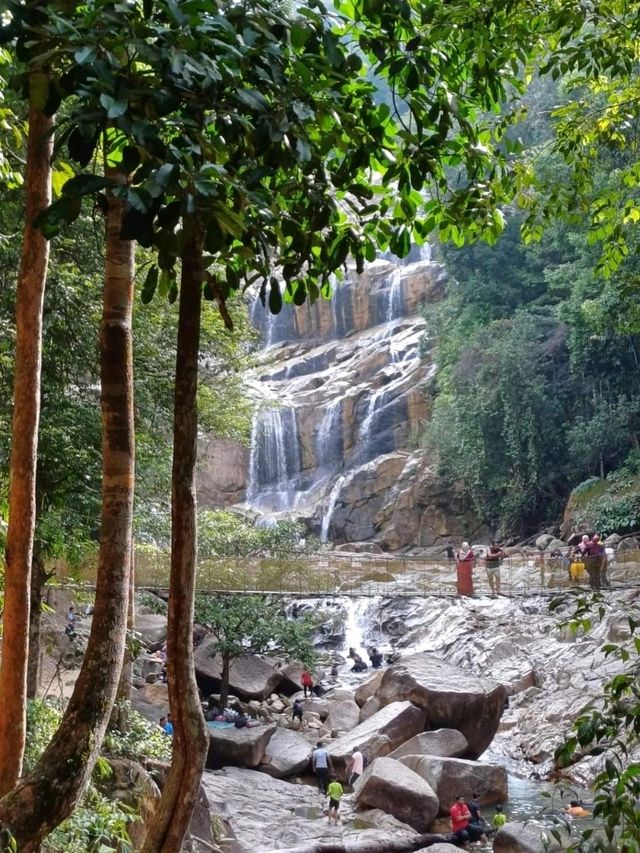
(120,716)
(190,736)
(24,450)
(38,580)
(224,681)
(49,793)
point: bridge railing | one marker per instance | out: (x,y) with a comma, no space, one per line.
(335,573)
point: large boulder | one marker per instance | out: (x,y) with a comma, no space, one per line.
(343,716)
(524,837)
(238,747)
(368,688)
(447,743)
(452,697)
(388,785)
(451,777)
(250,677)
(287,754)
(151,628)
(370,707)
(379,735)
(152,701)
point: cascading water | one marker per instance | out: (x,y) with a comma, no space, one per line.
(274,461)
(333,500)
(329,441)
(395,302)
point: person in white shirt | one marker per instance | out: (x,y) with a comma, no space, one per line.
(355,767)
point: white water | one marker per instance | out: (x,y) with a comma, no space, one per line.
(273,460)
(329,441)
(333,499)
(394,300)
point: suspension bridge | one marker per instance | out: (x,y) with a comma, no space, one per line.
(333,573)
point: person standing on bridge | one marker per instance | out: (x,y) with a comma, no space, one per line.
(465,559)
(492,560)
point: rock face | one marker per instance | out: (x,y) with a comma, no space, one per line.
(152,629)
(379,735)
(287,754)
(351,389)
(386,784)
(250,677)
(451,697)
(238,747)
(450,777)
(447,743)
(152,701)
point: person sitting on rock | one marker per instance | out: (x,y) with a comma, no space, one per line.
(213,710)
(477,822)
(461,823)
(376,658)
(307,681)
(71,619)
(358,664)
(241,721)
(334,669)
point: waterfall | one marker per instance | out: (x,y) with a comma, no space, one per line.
(333,500)
(274,460)
(395,301)
(376,400)
(329,441)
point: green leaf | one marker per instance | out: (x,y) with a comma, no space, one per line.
(115,108)
(275,296)
(149,287)
(85,185)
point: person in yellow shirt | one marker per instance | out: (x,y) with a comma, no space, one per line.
(335,792)
(499,818)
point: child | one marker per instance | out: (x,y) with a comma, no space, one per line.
(334,791)
(499,818)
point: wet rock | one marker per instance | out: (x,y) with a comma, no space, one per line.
(250,677)
(379,735)
(519,837)
(441,847)
(388,785)
(447,743)
(343,716)
(451,697)
(287,754)
(450,776)
(238,747)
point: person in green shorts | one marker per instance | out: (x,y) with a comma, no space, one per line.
(334,791)
(499,818)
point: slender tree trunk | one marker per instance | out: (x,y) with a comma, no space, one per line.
(24,450)
(49,793)
(224,682)
(190,737)
(38,580)
(126,676)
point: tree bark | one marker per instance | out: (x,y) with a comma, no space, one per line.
(39,578)
(190,736)
(124,685)
(376,845)
(49,793)
(224,682)
(24,450)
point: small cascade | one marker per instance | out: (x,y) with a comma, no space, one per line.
(395,301)
(329,440)
(376,401)
(333,500)
(274,460)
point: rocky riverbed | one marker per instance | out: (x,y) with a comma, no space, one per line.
(452,654)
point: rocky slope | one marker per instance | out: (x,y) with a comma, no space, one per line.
(342,390)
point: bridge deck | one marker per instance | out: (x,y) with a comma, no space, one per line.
(332,573)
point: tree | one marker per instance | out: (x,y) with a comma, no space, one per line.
(251,625)
(26,413)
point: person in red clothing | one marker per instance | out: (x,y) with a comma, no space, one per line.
(461,823)
(307,682)
(460,815)
(464,569)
